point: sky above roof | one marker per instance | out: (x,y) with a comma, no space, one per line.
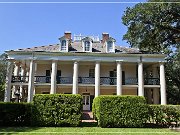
(24,25)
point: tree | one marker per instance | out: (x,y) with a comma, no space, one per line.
(155,27)
(3,67)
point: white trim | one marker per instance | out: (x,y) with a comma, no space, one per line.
(83,45)
(113,46)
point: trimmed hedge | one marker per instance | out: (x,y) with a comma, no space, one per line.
(15,114)
(164,115)
(57,110)
(120,111)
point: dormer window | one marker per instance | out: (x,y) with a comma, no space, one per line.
(110,46)
(63,45)
(87,44)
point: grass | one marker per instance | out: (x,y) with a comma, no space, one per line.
(85,130)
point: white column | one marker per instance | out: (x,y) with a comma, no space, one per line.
(16,73)
(140,79)
(97,79)
(75,78)
(7,93)
(23,68)
(156,95)
(31,81)
(119,79)
(162,84)
(53,77)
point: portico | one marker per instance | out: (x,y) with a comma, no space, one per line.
(89,73)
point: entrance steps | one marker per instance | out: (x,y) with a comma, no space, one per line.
(87,116)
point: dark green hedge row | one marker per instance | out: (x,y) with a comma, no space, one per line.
(15,114)
(164,115)
(120,111)
(57,109)
(46,110)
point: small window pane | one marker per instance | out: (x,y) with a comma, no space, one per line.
(110,46)
(63,45)
(87,46)
(91,73)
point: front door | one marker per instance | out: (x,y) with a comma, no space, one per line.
(86,102)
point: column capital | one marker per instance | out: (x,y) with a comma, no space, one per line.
(161,62)
(76,62)
(97,61)
(119,61)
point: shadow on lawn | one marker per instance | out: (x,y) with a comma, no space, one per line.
(13,130)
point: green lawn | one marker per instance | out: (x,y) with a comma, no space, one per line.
(85,130)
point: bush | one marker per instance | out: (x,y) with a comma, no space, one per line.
(57,110)
(120,111)
(164,115)
(15,114)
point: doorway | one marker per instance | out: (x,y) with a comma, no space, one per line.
(86,102)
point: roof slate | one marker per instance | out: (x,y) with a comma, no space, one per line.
(76,46)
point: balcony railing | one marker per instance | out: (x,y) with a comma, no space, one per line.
(131,81)
(64,80)
(42,79)
(23,79)
(151,81)
(108,80)
(86,80)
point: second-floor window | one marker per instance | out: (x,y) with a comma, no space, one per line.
(63,45)
(91,73)
(87,46)
(110,46)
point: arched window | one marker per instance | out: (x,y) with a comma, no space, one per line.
(110,46)
(63,45)
(87,46)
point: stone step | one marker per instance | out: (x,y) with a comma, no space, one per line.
(87,115)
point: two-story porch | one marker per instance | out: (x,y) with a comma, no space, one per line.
(88,78)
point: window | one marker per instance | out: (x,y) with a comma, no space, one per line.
(63,45)
(91,72)
(87,46)
(110,46)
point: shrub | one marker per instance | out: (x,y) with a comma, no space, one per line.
(57,110)
(120,111)
(164,115)
(15,114)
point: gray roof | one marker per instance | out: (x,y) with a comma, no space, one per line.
(76,46)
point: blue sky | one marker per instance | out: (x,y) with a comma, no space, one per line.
(27,25)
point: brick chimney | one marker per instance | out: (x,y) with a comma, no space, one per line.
(67,34)
(105,37)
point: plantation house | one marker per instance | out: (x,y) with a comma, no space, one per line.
(85,65)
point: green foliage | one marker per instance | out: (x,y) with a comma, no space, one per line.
(120,111)
(57,110)
(15,114)
(153,26)
(164,114)
(3,67)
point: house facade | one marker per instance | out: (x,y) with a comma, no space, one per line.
(85,65)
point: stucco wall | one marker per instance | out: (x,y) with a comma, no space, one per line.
(67,70)
(90,90)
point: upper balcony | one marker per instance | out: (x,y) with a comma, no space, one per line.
(85,80)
